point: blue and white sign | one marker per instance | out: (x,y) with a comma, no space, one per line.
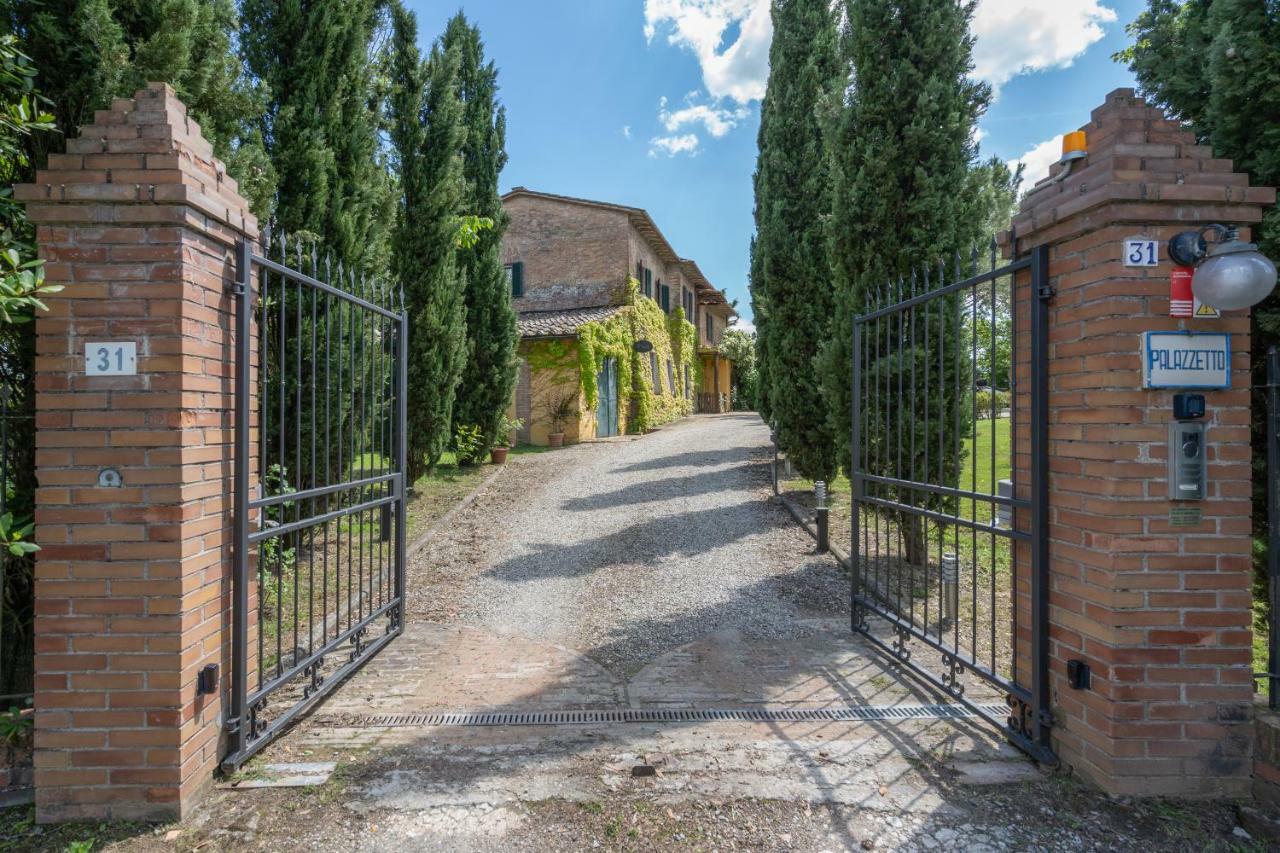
(1141,252)
(1186,360)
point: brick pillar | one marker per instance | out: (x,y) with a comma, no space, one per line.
(138,221)
(1161,613)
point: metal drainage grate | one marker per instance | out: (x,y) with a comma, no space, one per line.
(679,715)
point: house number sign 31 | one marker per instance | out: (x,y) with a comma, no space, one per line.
(111,358)
(1141,252)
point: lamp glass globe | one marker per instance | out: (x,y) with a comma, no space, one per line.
(1234,280)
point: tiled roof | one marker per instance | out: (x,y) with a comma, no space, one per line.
(562,324)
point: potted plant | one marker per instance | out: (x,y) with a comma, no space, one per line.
(560,409)
(507,429)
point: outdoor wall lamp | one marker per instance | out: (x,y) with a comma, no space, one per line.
(1229,275)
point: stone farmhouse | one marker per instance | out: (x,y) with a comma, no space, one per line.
(590,279)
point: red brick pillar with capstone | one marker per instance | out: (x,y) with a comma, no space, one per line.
(1160,611)
(138,221)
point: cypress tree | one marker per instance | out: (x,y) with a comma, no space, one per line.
(90,51)
(321,123)
(489,372)
(427,135)
(903,196)
(790,251)
(760,315)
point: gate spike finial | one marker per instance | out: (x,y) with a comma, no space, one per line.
(959,267)
(993,249)
(913,281)
(284,246)
(973,260)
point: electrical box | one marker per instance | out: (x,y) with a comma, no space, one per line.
(1187,454)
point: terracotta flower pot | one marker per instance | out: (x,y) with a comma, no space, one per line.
(555,439)
(498,455)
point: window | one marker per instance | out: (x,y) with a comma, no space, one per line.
(665,293)
(653,369)
(639,273)
(648,282)
(710,337)
(515,278)
(688,305)
(671,379)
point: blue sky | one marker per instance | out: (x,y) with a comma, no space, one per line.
(655,103)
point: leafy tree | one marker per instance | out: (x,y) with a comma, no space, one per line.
(790,250)
(90,51)
(321,122)
(902,153)
(489,371)
(1215,64)
(23,114)
(427,134)
(739,346)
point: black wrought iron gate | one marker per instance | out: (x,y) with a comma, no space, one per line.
(319,508)
(949,462)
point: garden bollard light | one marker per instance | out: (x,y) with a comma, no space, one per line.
(822,514)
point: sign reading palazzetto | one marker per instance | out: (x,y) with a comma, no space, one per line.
(1186,360)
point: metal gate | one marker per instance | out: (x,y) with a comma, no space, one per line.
(319,510)
(949,461)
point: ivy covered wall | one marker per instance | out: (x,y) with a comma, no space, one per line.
(557,363)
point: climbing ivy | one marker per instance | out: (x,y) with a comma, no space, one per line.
(609,338)
(674,340)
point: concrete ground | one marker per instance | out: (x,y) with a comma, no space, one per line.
(655,574)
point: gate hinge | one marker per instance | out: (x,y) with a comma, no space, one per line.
(235,288)
(1047,292)
(1045,718)
(232,725)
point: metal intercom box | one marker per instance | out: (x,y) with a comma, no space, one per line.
(1187,454)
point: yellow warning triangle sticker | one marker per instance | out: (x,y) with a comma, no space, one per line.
(1205,311)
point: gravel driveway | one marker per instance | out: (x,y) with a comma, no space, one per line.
(625,549)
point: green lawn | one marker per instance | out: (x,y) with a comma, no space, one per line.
(976,473)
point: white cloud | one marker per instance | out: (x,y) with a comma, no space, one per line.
(1012,37)
(1038,160)
(737,70)
(743,324)
(717,120)
(1018,36)
(626,131)
(673,145)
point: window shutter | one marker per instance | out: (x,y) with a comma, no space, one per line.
(666,298)
(639,273)
(517,279)
(653,365)
(648,282)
